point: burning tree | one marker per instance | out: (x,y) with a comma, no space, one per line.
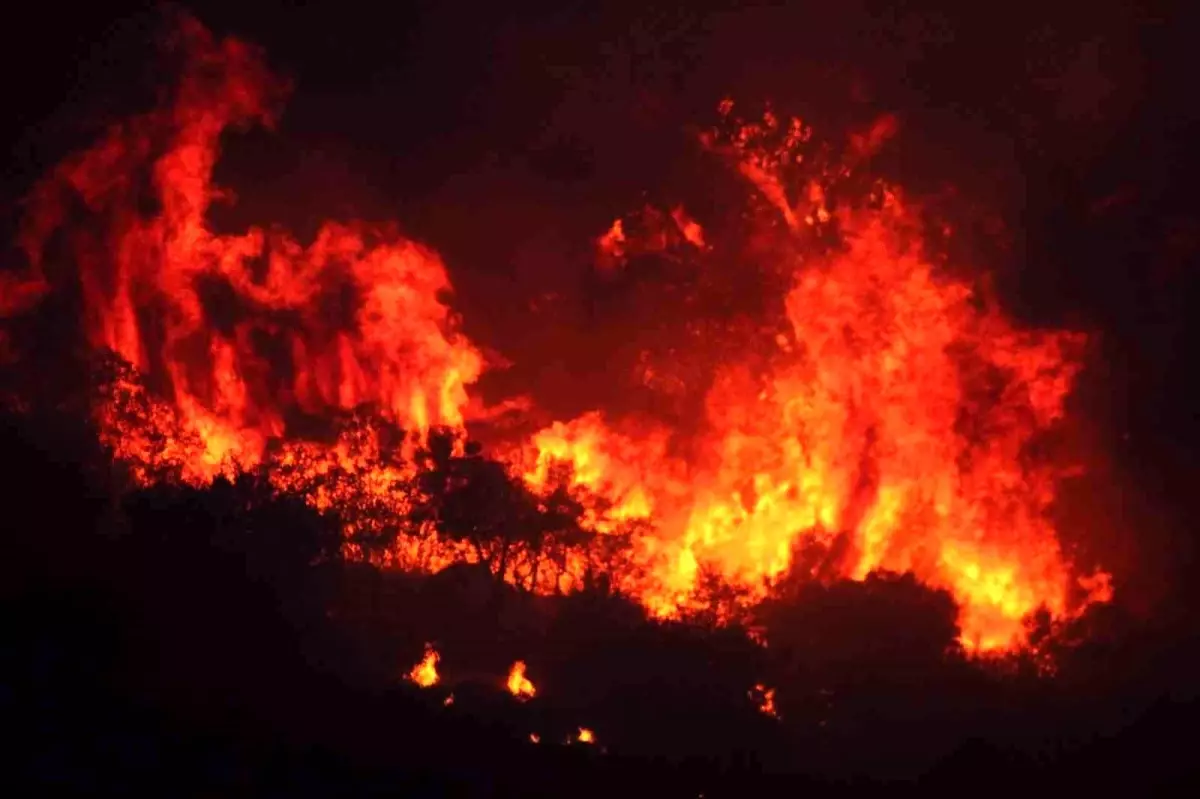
(474,500)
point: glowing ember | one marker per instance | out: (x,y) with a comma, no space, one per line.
(585,736)
(518,684)
(648,231)
(765,698)
(611,246)
(535,738)
(425,673)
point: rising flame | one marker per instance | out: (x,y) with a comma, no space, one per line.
(894,410)
(897,412)
(518,684)
(425,673)
(244,333)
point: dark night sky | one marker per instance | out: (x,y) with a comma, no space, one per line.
(506,135)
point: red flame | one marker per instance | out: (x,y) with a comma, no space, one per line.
(895,411)
(425,673)
(518,684)
(243,331)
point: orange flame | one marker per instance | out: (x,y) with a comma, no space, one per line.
(656,232)
(245,331)
(611,246)
(518,684)
(897,413)
(425,673)
(895,410)
(765,697)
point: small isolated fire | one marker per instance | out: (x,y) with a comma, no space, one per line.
(880,408)
(658,232)
(425,673)
(585,736)
(765,699)
(518,684)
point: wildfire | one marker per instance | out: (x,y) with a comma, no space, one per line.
(243,332)
(425,673)
(893,409)
(518,684)
(895,413)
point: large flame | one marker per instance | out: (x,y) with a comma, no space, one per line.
(897,412)
(894,412)
(244,332)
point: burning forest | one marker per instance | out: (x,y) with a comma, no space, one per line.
(834,398)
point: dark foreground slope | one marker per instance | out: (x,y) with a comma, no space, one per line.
(156,651)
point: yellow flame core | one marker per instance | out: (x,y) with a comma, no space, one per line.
(425,673)
(518,684)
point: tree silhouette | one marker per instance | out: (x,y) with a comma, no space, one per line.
(371,513)
(848,628)
(474,500)
(556,528)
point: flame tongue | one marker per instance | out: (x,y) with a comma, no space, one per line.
(898,412)
(425,673)
(518,684)
(246,330)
